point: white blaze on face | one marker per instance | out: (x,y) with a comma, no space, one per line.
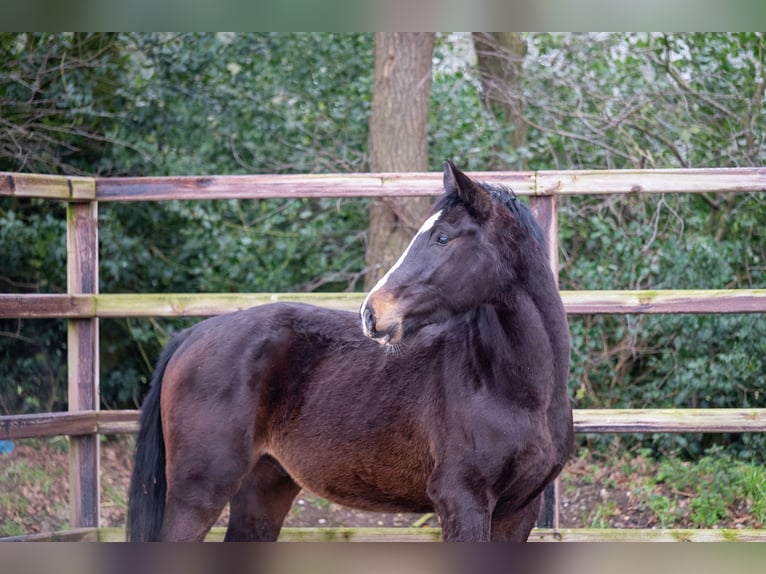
(425,228)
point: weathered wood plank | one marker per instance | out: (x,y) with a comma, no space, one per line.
(82,188)
(196,305)
(47,186)
(575,302)
(712,180)
(83,362)
(31,305)
(206,304)
(34,185)
(565,182)
(117,421)
(34,305)
(90,534)
(15,427)
(266,187)
(545,213)
(647,535)
(330,534)
(291,186)
(374,185)
(669,420)
(665,301)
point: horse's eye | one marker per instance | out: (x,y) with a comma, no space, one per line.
(442,239)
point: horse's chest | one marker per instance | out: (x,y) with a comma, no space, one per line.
(497,443)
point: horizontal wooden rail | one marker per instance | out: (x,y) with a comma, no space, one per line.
(665,301)
(47,186)
(377,184)
(278,186)
(634,181)
(669,420)
(46,305)
(197,305)
(78,423)
(405,534)
(206,304)
(585,421)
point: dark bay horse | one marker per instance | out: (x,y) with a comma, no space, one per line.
(446,393)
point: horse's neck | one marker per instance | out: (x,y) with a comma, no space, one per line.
(527,339)
(536,309)
(516,333)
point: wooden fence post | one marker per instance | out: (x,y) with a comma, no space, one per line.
(83,362)
(544,210)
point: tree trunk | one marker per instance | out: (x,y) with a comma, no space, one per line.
(501,59)
(398,142)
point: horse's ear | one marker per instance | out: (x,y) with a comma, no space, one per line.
(470,193)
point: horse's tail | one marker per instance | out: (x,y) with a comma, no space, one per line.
(148,486)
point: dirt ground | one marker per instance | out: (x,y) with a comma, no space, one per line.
(34,494)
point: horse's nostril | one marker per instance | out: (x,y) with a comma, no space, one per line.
(368,318)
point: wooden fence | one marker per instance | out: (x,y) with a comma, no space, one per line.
(83,305)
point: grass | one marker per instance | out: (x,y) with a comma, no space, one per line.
(601,515)
(11,529)
(22,476)
(711,488)
(111,496)
(23,473)
(715,491)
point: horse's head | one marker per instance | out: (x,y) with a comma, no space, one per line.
(464,256)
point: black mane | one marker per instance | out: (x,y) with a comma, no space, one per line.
(520,210)
(506,196)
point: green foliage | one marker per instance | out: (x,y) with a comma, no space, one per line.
(169,104)
(710,487)
(247,103)
(657,101)
(460,126)
(645,100)
(33,353)
(58,99)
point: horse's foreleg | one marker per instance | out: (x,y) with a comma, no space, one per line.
(514,526)
(260,506)
(464,512)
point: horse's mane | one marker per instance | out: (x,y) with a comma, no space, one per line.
(520,210)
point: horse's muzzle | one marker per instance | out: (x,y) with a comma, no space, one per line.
(383,326)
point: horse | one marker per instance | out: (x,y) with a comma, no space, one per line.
(445,393)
